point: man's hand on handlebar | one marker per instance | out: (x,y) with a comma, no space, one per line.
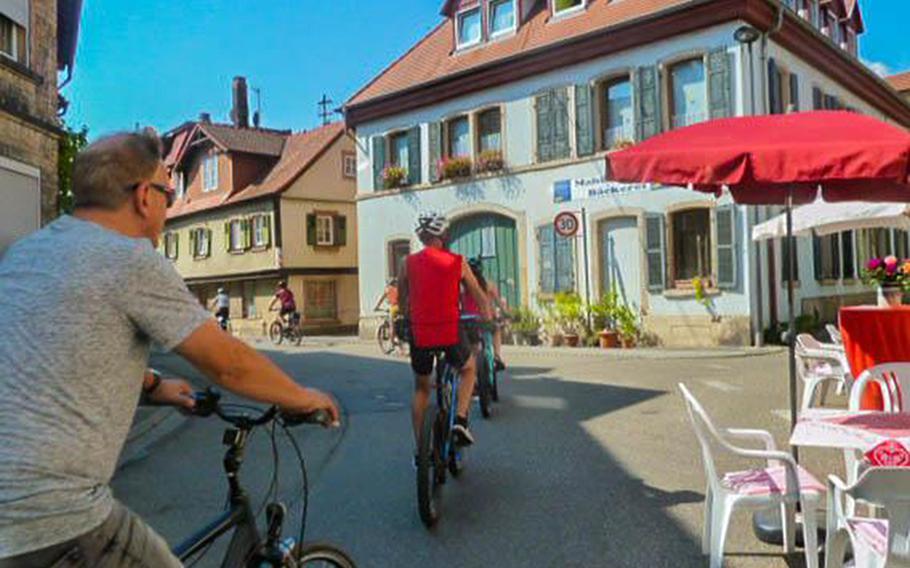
(173,392)
(314,401)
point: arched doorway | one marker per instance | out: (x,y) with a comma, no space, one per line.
(493,238)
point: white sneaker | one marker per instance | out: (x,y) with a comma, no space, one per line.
(462,434)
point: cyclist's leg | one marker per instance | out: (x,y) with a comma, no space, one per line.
(461,357)
(497,348)
(422,365)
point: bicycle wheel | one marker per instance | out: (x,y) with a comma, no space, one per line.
(429,469)
(276,332)
(297,335)
(484,384)
(384,338)
(320,554)
(495,385)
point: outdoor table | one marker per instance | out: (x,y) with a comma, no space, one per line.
(873,336)
(844,429)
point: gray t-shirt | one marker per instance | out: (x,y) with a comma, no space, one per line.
(79,306)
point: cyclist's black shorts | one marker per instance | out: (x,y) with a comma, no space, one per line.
(223,313)
(422,358)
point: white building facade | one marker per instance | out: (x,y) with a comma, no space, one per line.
(510,127)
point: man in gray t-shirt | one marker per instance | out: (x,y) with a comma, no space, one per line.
(80,302)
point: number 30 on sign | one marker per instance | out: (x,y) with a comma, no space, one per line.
(566,224)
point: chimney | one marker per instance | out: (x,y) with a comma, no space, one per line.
(205,117)
(240,114)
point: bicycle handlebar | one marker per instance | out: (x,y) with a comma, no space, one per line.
(208,403)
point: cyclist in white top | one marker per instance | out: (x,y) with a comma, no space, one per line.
(222,305)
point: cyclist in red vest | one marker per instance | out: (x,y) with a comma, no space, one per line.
(429,286)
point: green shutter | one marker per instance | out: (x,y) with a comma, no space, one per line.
(849,267)
(545,237)
(247,233)
(817,99)
(192,243)
(647,103)
(565,263)
(794,92)
(268,230)
(720,83)
(561,142)
(544,109)
(584,120)
(208,242)
(414,162)
(774,88)
(311,229)
(727,247)
(655,247)
(227,236)
(341,230)
(378,162)
(435,150)
(817,252)
(176,237)
(835,242)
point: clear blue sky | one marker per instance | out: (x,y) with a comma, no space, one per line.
(160,62)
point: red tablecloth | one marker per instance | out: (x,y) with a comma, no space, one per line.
(872,336)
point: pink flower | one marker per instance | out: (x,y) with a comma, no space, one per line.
(890,261)
(874,264)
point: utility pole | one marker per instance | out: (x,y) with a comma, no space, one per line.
(324,113)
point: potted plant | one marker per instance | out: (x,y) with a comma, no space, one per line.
(570,312)
(526,326)
(627,324)
(550,325)
(454,168)
(602,314)
(489,161)
(394,177)
(890,276)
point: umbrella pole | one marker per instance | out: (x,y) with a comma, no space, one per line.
(791,328)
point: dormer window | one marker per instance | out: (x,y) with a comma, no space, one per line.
(502,17)
(561,7)
(469,30)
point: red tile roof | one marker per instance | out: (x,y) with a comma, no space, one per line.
(900,82)
(300,151)
(249,140)
(433,58)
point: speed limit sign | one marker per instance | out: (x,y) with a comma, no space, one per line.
(566,224)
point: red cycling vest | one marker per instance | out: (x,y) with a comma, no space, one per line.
(434,277)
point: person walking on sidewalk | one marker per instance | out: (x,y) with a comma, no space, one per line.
(74,356)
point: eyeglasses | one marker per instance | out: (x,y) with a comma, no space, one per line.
(168,192)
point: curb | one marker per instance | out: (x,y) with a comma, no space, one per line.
(654,354)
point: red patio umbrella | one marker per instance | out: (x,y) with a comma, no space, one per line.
(777,159)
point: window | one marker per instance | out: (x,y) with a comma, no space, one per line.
(458,137)
(200,243)
(262,231)
(617,118)
(249,300)
(691,234)
(566,6)
(236,236)
(688,92)
(349,165)
(900,249)
(557,261)
(210,173)
(319,302)
(398,144)
(827,257)
(502,17)
(872,243)
(10,40)
(180,183)
(489,130)
(171,249)
(469,30)
(325,230)
(398,252)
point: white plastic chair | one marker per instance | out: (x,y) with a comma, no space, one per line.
(876,542)
(835,334)
(892,378)
(782,483)
(819,364)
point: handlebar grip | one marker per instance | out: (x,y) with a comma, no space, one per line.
(320,417)
(206,402)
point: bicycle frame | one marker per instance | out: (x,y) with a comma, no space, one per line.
(451,377)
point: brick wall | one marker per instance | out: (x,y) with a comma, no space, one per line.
(28,104)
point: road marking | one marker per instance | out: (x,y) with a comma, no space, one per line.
(540,402)
(722,386)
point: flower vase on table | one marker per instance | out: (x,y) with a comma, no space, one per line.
(890,276)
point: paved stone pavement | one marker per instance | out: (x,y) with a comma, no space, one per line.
(589,461)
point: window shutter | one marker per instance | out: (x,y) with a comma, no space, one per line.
(414,162)
(247,233)
(176,237)
(849,267)
(817,251)
(647,93)
(727,247)
(720,83)
(774,88)
(341,230)
(268,230)
(565,263)
(543,106)
(192,242)
(435,150)
(547,259)
(835,246)
(378,162)
(311,229)
(794,92)
(227,236)
(584,120)
(561,143)
(655,249)
(208,242)
(817,99)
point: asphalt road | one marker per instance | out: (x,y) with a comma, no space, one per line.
(588,461)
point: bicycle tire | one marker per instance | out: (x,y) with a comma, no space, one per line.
(484,385)
(276,332)
(495,391)
(428,470)
(384,338)
(322,553)
(298,335)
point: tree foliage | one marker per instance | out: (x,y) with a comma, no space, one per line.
(71,143)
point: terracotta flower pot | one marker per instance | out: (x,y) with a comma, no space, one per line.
(629,343)
(571,339)
(608,339)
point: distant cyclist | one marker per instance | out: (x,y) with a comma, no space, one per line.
(390,297)
(429,286)
(285,298)
(222,305)
(497,302)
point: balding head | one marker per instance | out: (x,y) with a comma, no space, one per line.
(105,171)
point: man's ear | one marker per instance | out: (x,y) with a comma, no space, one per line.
(141,200)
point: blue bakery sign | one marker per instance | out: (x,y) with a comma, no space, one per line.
(592,188)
